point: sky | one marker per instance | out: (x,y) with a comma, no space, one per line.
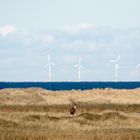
(95,30)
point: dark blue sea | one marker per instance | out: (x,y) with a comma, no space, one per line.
(71,85)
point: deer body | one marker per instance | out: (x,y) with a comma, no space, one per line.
(73,109)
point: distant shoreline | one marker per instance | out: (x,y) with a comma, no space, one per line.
(87,85)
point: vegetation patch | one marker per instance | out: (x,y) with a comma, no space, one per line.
(7,123)
(104,116)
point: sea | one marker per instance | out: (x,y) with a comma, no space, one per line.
(71,85)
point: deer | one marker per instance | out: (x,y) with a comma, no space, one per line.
(73,109)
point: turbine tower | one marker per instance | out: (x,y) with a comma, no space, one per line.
(49,65)
(79,69)
(116,67)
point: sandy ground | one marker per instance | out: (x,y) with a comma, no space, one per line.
(36,96)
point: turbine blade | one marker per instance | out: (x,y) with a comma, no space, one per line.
(48,58)
(118,58)
(46,65)
(113,61)
(53,64)
(80,60)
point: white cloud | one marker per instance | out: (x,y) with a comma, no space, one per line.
(86,26)
(80,46)
(49,39)
(78,28)
(42,38)
(6,30)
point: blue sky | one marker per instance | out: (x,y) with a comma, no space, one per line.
(95,30)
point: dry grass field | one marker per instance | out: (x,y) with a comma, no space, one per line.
(38,114)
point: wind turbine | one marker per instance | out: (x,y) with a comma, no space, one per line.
(49,66)
(79,68)
(116,67)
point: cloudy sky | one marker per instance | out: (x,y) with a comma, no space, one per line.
(95,30)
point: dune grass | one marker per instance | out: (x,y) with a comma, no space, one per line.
(98,116)
(82,107)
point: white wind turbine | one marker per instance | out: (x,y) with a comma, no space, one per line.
(79,68)
(116,67)
(49,66)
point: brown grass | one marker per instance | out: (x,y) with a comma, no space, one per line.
(37,114)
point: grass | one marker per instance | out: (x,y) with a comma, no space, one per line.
(37,114)
(82,107)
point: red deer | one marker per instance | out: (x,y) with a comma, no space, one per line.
(73,109)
